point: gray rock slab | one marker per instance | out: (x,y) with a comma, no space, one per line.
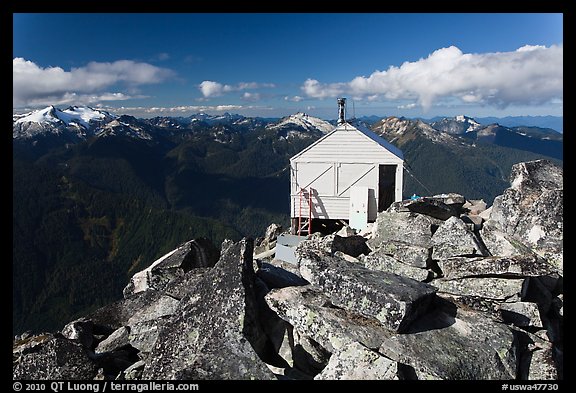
(392,299)
(117,339)
(356,362)
(454,344)
(402,227)
(211,335)
(55,359)
(522,314)
(531,210)
(519,266)
(379,260)
(453,238)
(196,253)
(312,314)
(489,288)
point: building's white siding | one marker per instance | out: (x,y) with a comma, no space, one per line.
(346,144)
(343,159)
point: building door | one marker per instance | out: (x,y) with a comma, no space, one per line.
(386,186)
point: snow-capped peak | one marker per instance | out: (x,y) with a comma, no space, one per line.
(456,125)
(216,119)
(473,124)
(46,115)
(81,116)
(305,121)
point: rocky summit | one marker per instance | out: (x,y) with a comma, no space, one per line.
(440,287)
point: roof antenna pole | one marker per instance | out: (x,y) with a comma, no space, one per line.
(341,109)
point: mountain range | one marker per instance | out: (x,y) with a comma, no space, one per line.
(96,195)
(555,123)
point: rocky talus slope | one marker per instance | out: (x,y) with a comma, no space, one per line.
(438,288)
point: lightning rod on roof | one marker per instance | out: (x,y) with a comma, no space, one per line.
(341,109)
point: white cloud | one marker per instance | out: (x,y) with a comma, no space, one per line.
(250,96)
(528,48)
(313,88)
(34,85)
(181,110)
(531,75)
(211,89)
(293,98)
(75,99)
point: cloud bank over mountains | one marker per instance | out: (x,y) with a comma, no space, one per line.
(531,75)
(34,85)
(528,76)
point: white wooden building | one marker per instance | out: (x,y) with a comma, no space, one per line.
(349,174)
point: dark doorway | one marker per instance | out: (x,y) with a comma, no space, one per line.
(386,186)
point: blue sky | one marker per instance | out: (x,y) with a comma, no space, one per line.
(272,65)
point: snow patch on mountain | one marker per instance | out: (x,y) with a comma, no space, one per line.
(473,125)
(225,118)
(117,127)
(83,115)
(457,125)
(393,128)
(303,121)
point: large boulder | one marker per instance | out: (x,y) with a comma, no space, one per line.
(180,287)
(117,314)
(118,339)
(269,240)
(144,334)
(80,330)
(311,313)
(277,277)
(474,206)
(497,289)
(451,199)
(453,238)
(354,245)
(519,266)
(454,344)
(521,314)
(54,357)
(215,332)
(197,253)
(402,226)
(414,255)
(405,235)
(394,300)
(484,282)
(356,362)
(532,209)
(142,313)
(379,260)
(431,206)
(501,244)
